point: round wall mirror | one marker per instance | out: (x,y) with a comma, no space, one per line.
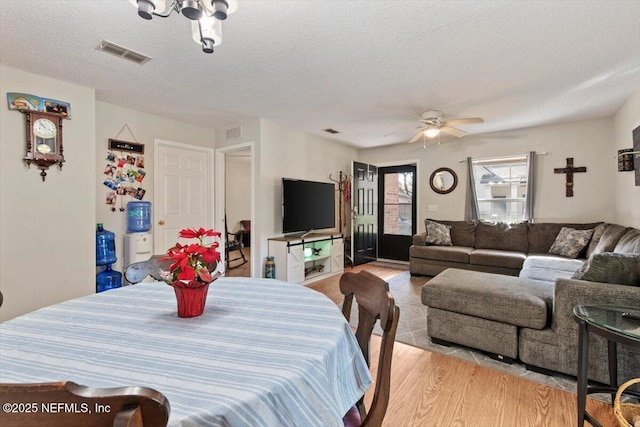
(443,180)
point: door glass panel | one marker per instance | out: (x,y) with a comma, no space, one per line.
(398,197)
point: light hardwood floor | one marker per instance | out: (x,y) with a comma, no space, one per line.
(431,389)
(243,270)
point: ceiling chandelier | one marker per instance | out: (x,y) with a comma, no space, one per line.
(206,16)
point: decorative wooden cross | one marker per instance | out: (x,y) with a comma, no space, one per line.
(569,170)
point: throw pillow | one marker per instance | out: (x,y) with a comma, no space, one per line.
(438,234)
(610,267)
(570,242)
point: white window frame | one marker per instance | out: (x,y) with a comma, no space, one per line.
(512,184)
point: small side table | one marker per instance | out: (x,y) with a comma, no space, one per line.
(608,322)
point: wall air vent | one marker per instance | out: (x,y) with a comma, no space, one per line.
(123,52)
(234,133)
(331,131)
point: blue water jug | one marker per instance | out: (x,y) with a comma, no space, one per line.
(105,246)
(138,217)
(108,279)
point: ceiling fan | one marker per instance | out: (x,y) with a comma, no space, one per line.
(434,122)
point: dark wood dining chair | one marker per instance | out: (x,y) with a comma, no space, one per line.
(375,302)
(138,271)
(233,243)
(67,404)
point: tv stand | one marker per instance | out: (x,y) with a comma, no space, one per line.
(308,233)
(307,258)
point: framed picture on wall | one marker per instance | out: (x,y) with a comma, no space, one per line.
(636,156)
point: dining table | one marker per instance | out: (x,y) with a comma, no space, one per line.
(263,353)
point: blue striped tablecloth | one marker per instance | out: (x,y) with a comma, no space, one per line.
(264,352)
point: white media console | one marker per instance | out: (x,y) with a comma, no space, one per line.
(303,260)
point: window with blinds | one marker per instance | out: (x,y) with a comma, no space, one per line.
(501,188)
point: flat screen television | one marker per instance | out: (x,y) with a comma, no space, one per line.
(307,205)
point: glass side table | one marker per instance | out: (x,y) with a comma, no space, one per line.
(611,323)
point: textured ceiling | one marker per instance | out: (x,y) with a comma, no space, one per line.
(365,68)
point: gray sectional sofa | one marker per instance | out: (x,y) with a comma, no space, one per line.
(491,248)
(475,301)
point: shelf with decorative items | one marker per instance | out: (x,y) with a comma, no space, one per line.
(304,260)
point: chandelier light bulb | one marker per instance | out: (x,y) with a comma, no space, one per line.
(221,8)
(191,9)
(146,8)
(207,31)
(206,16)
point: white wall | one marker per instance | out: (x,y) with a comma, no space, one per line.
(250,140)
(627,194)
(281,152)
(588,142)
(47,229)
(292,154)
(238,190)
(145,128)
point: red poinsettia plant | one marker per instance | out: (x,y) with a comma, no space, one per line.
(192,262)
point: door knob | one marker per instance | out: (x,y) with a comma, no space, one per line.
(161,222)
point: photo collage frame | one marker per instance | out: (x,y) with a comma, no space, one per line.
(124,172)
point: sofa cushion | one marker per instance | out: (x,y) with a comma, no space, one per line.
(488,296)
(418,239)
(542,234)
(502,236)
(605,238)
(595,238)
(629,243)
(549,267)
(570,242)
(441,253)
(509,259)
(609,267)
(463,233)
(437,234)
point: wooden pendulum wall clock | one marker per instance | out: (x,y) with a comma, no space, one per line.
(44,140)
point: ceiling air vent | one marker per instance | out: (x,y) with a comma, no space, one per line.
(123,52)
(332,131)
(234,133)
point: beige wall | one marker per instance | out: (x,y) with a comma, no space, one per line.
(292,154)
(588,142)
(238,190)
(53,223)
(627,194)
(249,140)
(281,152)
(47,229)
(145,128)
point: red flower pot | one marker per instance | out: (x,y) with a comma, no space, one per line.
(191,297)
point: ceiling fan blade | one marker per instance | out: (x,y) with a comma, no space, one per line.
(465,121)
(417,137)
(452,131)
(398,131)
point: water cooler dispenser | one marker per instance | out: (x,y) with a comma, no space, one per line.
(138,242)
(105,256)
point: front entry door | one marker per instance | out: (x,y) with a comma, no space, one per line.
(182,191)
(397,211)
(364,208)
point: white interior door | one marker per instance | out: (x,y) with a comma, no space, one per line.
(183,191)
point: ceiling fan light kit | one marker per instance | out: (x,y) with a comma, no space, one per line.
(206,16)
(434,122)
(431,131)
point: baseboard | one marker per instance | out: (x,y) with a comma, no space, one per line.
(498,357)
(540,370)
